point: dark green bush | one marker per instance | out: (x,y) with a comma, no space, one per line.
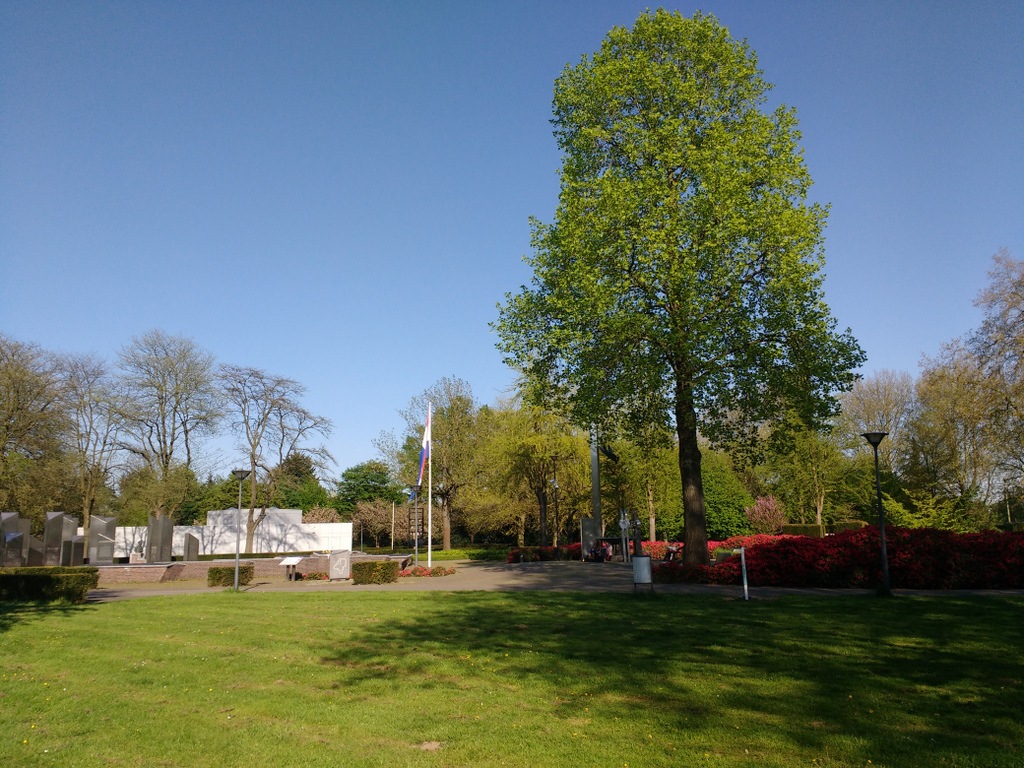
(817,531)
(224,575)
(846,525)
(48,583)
(725,498)
(375,572)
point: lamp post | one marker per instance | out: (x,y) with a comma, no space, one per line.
(416,523)
(240,474)
(875,438)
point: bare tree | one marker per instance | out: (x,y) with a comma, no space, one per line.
(999,348)
(170,402)
(882,402)
(94,411)
(271,424)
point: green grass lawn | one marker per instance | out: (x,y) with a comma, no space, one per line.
(518,679)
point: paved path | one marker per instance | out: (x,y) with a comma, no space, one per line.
(562,576)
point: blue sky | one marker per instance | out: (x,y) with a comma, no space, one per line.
(339,192)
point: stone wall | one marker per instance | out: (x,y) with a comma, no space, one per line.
(265,569)
(281,531)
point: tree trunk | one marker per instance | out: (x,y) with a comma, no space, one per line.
(542,502)
(251,522)
(695,527)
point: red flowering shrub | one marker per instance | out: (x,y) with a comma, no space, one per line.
(919,558)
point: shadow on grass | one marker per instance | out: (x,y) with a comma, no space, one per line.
(12,613)
(910,681)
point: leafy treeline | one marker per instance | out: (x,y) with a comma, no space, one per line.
(953,458)
(80,434)
(126,439)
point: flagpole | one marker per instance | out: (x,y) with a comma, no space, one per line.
(430,496)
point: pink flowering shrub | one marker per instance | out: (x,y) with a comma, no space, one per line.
(766,516)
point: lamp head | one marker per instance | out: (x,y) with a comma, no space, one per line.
(240,474)
(875,438)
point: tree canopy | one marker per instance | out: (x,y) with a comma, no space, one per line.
(680,281)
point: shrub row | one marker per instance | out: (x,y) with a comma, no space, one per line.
(919,558)
(423,572)
(49,583)
(375,572)
(224,575)
(538,554)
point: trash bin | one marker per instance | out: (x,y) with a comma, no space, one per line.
(641,570)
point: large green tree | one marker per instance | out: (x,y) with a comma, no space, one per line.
(35,474)
(453,443)
(365,482)
(680,280)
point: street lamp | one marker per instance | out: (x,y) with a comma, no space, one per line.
(240,474)
(875,438)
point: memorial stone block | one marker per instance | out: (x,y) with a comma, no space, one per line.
(101,540)
(73,551)
(36,552)
(191,547)
(159,539)
(53,537)
(11,546)
(9,522)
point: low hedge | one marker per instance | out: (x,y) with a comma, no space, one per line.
(48,583)
(375,572)
(224,575)
(538,554)
(846,525)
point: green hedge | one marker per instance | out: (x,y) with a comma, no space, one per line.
(846,525)
(817,531)
(48,583)
(375,572)
(224,575)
